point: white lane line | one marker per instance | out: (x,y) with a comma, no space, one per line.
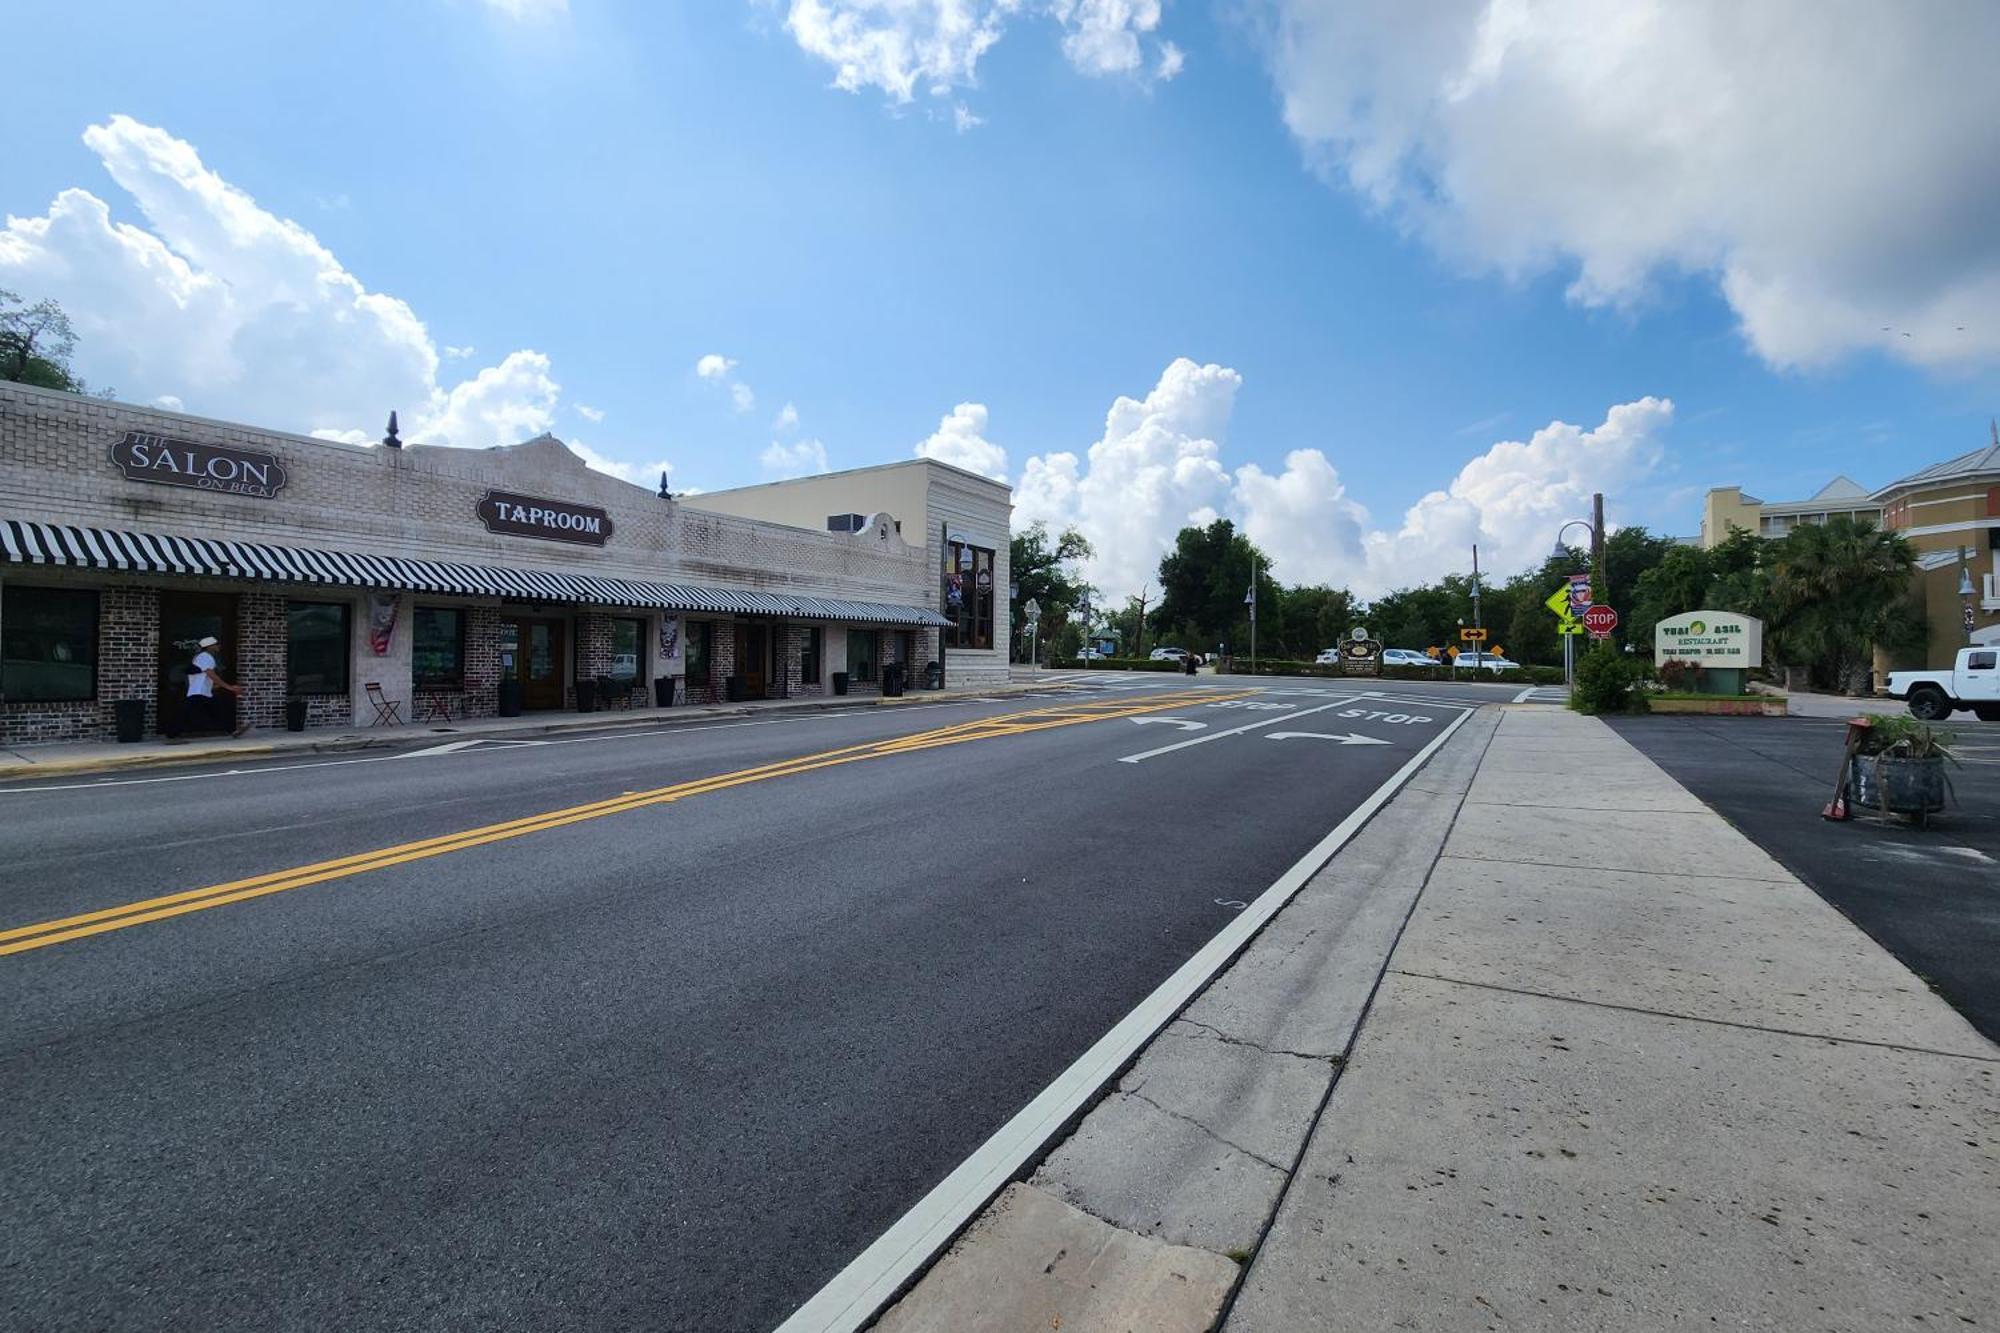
(1526,694)
(858,1292)
(1287,716)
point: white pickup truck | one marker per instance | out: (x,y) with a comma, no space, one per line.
(1973,682)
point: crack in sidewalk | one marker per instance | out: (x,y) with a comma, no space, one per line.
(1694,1018)
(1237,1147)
(1229,1040)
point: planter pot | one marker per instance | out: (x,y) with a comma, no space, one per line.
(840,682)
(732,689)
(663,691)
(295,715)
(934,675)
(1897,785)
(586,696)
(510,698)
(130,717)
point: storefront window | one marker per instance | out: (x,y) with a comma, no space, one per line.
(700,638)
(628,638)
(437,648)
(48,644)
(862,656)
(316,648)
(968,595)
(812,655)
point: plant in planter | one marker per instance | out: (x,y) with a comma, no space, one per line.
(1898,768)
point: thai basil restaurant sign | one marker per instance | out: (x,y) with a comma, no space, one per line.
(1362,656)
(554,520)
(1710,639)
(142,456)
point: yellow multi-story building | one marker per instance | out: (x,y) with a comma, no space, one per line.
(1725,508)
(1950,512)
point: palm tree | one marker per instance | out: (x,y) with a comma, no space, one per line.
(1835,589)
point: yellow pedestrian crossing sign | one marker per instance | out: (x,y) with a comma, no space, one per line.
(1558,602)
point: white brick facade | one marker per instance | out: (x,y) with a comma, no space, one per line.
(413,503)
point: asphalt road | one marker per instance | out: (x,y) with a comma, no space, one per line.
(645,1028)
(1931,897)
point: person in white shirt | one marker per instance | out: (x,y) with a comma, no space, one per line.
(198,711)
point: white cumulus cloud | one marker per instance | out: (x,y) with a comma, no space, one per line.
(960,440)
(639,474)
(802,458)
(741,398)
(1835,170)
(589,413)
(787,418)
(1159,467)
(907,47)
(240,313)
(714,366)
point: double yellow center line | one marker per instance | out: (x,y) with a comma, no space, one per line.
(42,934)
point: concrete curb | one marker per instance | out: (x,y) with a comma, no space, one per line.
(1181,1162)
(346,742)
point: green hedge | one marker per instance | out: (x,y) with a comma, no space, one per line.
(1533,675)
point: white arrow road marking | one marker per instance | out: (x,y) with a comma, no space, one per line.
(1183,723)
(449,747)
(1345,738)
(1286,716)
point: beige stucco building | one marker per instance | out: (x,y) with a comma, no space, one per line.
(961,520)
(1726,507)
(1950,512)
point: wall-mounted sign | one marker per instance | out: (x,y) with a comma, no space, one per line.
(1710,639)
(143,456)
(554,520)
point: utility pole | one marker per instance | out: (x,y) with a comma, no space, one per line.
(1252,599)
(1600,580)
(1477,623)
(1145,589)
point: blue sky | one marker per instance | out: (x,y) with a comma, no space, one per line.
(625,188)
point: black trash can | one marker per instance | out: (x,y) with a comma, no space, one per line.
(510,698)
(1187,664)
(663,691)
(840,682)
(586,696)
(732,689)
(934,675)
(295,715)
(892,681)
(130,716)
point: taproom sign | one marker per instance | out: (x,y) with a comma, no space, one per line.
(143,456)
(554,520)
(1710,639)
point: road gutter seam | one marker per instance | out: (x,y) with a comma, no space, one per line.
(896,1259)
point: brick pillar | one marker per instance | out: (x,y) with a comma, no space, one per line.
(482,661)
(593,648)
(128,653)
(259,659)
(722,661)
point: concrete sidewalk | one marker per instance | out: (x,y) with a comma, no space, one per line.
(1622,1070)
(55,760)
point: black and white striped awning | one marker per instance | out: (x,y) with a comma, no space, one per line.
(26,543)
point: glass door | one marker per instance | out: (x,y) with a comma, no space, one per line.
(186,618)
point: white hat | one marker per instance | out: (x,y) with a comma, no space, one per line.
(210,641)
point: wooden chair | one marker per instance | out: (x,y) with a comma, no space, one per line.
(388,712)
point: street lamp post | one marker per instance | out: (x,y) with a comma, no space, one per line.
(1965,593)
(1595,526)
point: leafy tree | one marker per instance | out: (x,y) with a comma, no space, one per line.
(1426,616)
(1041,566)
(1835,590)
(36,342)
(1302,621)
(1203,581)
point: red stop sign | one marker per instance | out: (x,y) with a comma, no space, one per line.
(1600,619)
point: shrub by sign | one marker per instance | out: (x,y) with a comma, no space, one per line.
(1710,639)
(143,456)
(552,520)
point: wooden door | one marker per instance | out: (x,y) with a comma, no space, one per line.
(538,663)
(753,659)
(186,618)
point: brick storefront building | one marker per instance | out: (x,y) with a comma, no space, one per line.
(444,582)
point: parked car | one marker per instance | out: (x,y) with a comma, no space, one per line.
(1973,681)
(1327,657)
(1094,655)
(1408,657)
(1168,655)
(1486,662)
